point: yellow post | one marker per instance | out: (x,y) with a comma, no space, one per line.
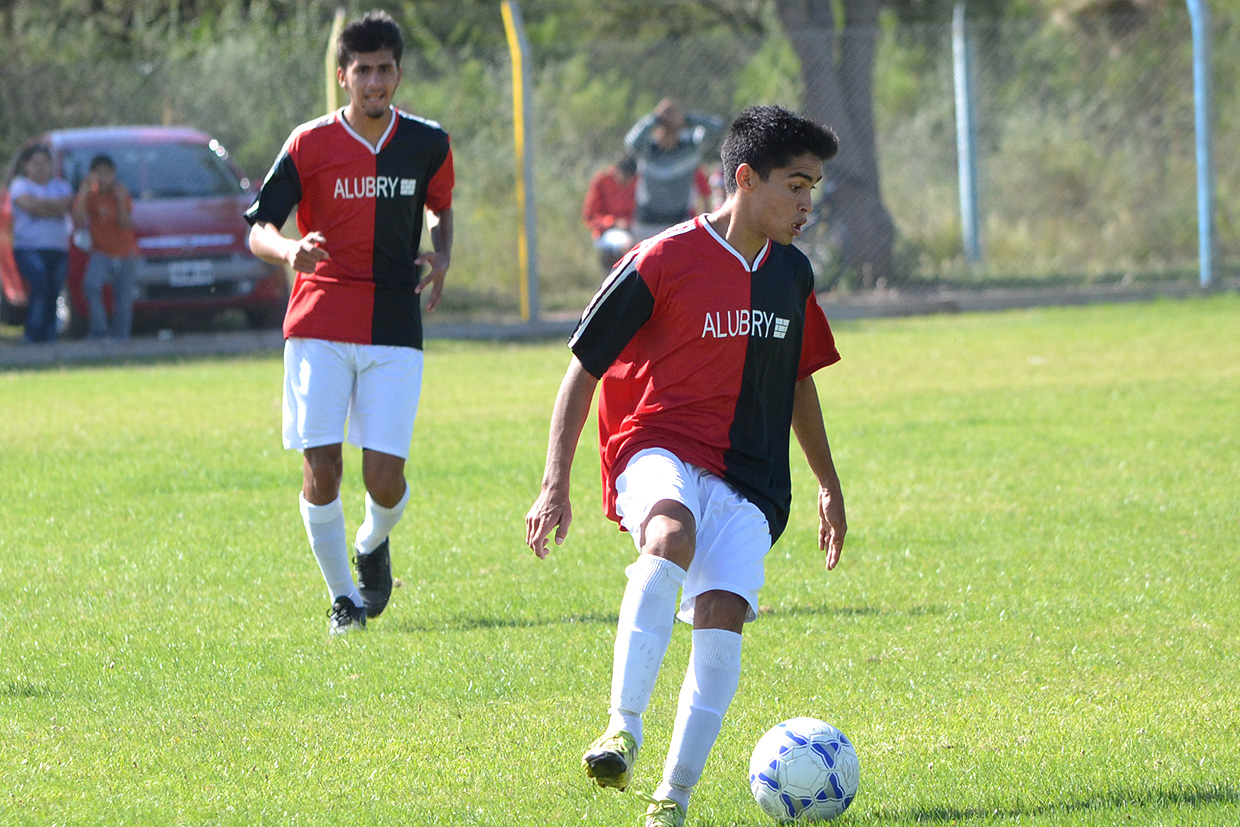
(526,256)
(329,64)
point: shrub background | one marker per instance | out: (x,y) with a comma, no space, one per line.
(1085,128)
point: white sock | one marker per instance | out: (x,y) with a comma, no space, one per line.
(325,529)
(647,614)
(378,523)
(710,682)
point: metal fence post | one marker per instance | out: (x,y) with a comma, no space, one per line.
(522,92)
(1199,11)
(966,150)
(332,90)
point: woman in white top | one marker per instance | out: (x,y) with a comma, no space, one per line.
(41,228)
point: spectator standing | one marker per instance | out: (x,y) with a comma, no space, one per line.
(41,229)
(362,179)
(105,207)
(608,209)
(668,144)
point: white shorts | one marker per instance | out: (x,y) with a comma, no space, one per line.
(374,388)
(732,534)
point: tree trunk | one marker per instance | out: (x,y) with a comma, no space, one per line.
(838,71)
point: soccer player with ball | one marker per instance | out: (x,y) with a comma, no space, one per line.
(702,344)
(361,179)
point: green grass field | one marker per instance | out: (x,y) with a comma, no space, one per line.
(1036,619)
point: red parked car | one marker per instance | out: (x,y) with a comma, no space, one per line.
(193,256)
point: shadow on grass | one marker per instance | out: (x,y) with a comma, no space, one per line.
(1154,798)
(24,689)
(469,624)
(466,624)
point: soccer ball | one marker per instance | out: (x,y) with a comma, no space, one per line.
(804,770)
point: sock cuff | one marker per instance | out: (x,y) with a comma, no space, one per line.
(320,513)
(715,648)
(371,505)
(656,575)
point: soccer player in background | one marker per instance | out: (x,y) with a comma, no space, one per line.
(702,343)
(361,179)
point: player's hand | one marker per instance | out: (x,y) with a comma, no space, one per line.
(832,525)
(549,511)
(434,279)
(305,255)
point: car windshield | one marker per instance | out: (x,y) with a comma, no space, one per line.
(158,171)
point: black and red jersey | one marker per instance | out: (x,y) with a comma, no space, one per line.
(368,203)
(699,354)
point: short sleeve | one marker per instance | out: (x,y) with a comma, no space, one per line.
(622,305)
(280,193)
(439,191)
(817,341)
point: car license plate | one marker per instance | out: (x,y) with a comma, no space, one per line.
(190,273)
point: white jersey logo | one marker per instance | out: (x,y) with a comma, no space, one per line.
(728,323)
(375,187)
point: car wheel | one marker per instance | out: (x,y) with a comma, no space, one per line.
(11,313)
(265,319)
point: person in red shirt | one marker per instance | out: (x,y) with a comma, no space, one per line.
(104,207)
(702,344)
(361,179)
(608,209)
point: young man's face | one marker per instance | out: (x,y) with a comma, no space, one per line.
(371,81)
(105,176)
(781,203)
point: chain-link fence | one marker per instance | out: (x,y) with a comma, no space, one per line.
(1084,150)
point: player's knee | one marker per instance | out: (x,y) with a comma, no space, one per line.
(720,609)
(670,533)
(324,470)
(385,483)
(387,490)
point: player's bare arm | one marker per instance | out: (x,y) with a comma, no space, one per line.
(552,509)
(439,257)
(812,435)
(269,244)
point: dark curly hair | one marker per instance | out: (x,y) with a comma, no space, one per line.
(769,137)
(372,33)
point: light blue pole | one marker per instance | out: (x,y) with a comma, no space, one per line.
(1199,11)
(966,150)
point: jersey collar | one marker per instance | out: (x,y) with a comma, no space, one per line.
(758,260)
(374,150)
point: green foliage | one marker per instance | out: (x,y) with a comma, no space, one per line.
(1085,119)
(1033,621)
(773,75)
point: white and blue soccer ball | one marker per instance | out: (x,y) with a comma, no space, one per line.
(804,770)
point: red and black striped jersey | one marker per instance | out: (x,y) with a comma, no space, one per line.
(699,353)
(368,203)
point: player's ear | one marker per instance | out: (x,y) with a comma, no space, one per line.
(340,76)
(745,177)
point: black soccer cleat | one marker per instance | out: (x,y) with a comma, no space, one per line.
(344,616)
(374,578)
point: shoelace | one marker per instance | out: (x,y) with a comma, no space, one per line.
(339,612)
(659,805)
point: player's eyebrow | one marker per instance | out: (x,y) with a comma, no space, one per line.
(811,179)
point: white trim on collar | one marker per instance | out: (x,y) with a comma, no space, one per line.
(374,150)
(757,262)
